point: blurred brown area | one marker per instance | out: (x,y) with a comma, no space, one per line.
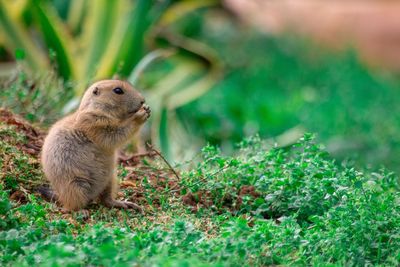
(371,26)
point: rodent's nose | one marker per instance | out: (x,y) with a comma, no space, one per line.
(142,102)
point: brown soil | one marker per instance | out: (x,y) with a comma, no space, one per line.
(33,135)
(232,202)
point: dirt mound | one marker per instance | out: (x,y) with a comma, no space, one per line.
(33,135)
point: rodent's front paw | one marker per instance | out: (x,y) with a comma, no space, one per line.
(147,109)
(143,114)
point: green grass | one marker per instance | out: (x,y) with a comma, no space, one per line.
(39,99)
(262,206)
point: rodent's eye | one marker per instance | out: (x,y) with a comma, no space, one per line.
(118,91)
(96,91)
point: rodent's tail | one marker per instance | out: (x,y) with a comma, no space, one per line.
(47,193)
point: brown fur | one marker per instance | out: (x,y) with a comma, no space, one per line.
(79,153)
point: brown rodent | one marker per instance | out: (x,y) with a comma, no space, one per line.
(79,152)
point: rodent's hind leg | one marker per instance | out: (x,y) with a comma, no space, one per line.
(112,203)
(47,193)
(76,194)
(108,200)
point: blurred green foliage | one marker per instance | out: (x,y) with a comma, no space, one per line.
(273,85)
(87,40)
(81,41)
(39,100)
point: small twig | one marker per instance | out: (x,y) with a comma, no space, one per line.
(164,159)
(148,170)
(145,154)
(146,173)
(174,190)
(26,192)
(220,170)
(138,155)
(136,171)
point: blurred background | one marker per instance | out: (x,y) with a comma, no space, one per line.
(217,71)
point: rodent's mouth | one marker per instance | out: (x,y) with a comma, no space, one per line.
(144,106)
(134,111)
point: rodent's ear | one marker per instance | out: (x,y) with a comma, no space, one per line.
(96,91)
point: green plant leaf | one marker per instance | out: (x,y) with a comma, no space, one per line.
(17,37)
(56,37)
(126,47)
(147,61)
(132,47)
(183,8)
(100,22)
(76,14)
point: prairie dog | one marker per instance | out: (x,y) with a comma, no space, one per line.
(79,152)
